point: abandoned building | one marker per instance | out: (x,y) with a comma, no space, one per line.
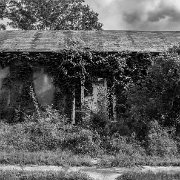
(32,59)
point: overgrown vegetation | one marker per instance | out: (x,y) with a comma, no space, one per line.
(48,131)
(47,139)
(147,125)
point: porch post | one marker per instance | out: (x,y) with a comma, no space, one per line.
(106,96)
(95,97)
(82,98)
(73,115)
(82,94)
(114,107)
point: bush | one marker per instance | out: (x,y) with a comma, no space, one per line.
(125,145)
(14,137)
(99,122)
(48,131)
(124,151)
(82,141)
(159,141)
(155,95)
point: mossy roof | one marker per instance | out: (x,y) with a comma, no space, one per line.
(100,41)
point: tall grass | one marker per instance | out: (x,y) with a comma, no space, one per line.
(48,131)
(48,175)
(48,138)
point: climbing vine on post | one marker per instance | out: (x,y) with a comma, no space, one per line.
(77,64)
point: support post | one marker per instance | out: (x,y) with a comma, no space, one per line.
(82,102)
(106,96)
(95,97)
(112,100)
(114,107)
(73,115)
(82,95)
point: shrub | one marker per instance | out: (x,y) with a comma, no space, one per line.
(125,145)
(81,140)
(14,137)
(99,122)
(48,131)
(124,151)
(159,141)
(155,95)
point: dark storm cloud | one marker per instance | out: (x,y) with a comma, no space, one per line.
(165,12)
(132,17)
(153,14)
(138,14)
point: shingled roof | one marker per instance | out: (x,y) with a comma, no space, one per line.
(100,41)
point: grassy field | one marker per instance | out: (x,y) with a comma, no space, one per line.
(19,175)
(52,175)
(57,158)
(149,176)
(66,158)
(50,140)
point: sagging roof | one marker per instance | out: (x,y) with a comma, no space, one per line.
(100,41)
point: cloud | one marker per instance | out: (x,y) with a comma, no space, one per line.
(132,17)
(165,11)
(138,14)
(108,13)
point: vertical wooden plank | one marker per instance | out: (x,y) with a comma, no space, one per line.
(95,97)
(73,115)
(82,95)
(82,98)
(106,96)
(114,107)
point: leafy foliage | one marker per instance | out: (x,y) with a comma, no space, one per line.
(156,95)
(149,86)
(2,27)
(2,9)
(51,15)
(159,141)
(126,145)
(48,130)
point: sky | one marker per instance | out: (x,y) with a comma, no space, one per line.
(145,15)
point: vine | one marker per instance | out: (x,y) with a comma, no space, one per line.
(70,67)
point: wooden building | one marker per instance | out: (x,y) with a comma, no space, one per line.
(18,72)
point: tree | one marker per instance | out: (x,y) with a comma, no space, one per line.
(2,9)
(157,95)
(2,27)
(51,15)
